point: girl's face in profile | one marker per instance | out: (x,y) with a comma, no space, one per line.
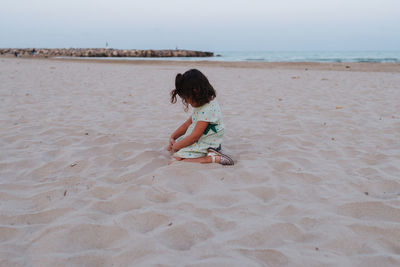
(191,102)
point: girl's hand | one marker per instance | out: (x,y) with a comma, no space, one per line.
(171,143)
(174,147)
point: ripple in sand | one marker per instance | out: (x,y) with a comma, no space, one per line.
(268,257)
(224,225)
(44,217)
(147,166)
(350,245)
(184,236)
(120,148)
(103,193)
(160,196)
(283,166)
(221,200)
(308,223)
(79,238)
(103,140)
(388,238)
(139,254)
(76,166)
(8,233)
(371,211)
(47,170)
(382,189)
(377,260)
(118,205)
(264,193)
(88,259)
(43,200)
(146,222)
(306,177)
(221,261)
(186,180)
(272,235)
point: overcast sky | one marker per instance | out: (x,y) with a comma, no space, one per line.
(204,24)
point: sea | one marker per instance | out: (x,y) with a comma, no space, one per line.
(311,56)
(290,56)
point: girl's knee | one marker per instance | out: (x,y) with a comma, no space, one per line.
(178,158)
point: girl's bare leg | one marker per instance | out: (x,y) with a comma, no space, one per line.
(206,159)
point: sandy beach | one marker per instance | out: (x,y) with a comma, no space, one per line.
(85,180)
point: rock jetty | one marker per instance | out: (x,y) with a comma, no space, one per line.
(99,52)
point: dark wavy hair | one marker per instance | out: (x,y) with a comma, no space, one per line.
(193,85)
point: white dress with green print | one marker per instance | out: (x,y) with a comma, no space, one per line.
(212,136)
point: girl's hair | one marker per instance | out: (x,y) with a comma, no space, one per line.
(193,85)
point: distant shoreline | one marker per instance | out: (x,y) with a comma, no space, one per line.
(300,66)
(218,56)
(100,52)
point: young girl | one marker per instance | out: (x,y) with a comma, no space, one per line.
(199,138)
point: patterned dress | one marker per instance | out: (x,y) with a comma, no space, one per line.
(212,136)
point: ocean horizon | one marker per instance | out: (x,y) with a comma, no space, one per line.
(286,56)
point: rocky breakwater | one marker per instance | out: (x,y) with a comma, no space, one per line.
(99,52)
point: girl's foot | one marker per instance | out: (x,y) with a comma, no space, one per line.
(218,157)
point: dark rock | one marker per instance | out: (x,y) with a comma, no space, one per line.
(100,52)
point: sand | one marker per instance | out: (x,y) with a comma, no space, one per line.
(85,180)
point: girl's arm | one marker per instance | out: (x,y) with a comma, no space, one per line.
(182,129)
(193,137)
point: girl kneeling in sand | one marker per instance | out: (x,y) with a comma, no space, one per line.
(199,138)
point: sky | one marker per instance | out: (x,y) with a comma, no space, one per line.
(208,25)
